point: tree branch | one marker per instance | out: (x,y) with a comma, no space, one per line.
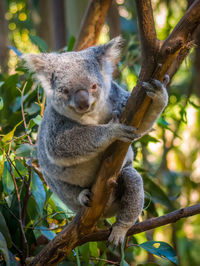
(149,224)
(92,23)
(85,221)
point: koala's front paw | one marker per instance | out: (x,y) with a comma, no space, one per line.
(125,133)
(117,235)
(156,90)
(85,197)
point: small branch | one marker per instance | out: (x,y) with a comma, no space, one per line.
(23,114)
(149,43)
(149,224)
(26,197)
(92,23)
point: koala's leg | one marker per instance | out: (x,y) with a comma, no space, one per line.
(73,196)
(131,203)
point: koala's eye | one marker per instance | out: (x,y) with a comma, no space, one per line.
(94,87)
(64,90)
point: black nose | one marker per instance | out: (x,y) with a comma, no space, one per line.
(81,100)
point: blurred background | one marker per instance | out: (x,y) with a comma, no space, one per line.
(167,158)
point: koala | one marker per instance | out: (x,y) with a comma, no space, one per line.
(80,122)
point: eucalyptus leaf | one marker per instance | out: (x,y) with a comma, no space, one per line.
(1,103)
(38,191)
(41,44)
(160,249)
(4,249)
(47,232)
(5,231)
(7,180)
(25,150)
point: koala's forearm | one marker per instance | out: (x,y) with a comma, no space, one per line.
(78,144)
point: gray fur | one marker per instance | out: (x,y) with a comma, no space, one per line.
(72,140)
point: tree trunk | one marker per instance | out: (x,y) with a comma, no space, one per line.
(45,28)
(59,28)
(113,20)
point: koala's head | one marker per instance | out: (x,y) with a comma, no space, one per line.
(76,83)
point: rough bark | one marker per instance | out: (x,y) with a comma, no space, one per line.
(156,61)
(113,20)
(92,23)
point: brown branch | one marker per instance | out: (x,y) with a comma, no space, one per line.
(149,224)
(92,23)
(85,221)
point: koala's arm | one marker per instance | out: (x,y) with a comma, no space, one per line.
(84,142)
(159,98)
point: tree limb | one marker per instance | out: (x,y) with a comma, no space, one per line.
(161,58)
(92,23)
(172,217)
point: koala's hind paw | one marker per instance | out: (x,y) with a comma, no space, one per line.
(117,235)
(85,197)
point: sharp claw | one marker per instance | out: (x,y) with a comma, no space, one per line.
(146,85)
(166,79)
(157,83)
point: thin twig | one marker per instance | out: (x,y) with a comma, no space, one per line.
(23,114)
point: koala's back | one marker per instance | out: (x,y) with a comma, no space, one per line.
(82,174)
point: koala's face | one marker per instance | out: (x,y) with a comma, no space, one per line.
(76,83)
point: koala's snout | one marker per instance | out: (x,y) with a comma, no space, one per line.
(81,100)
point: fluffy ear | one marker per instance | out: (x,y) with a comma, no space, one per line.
(110,52)
(40,65)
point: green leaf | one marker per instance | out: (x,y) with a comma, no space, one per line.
(1,103)
(4,249)
(2,160)
(60,204)
(162,122)
(25,150)
(147,138)
(9,136)
(37,120)
(34,121)
(41,44)
(46,232)
(157,194)
(123,262)
(4,230)
(94,249)
(77,257)
(160,249)
(7,180)
(71,43)
(38,191)
(84,251)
